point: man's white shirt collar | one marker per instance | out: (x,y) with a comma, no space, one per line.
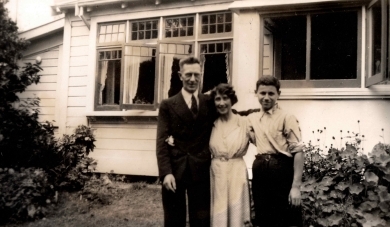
(187,97)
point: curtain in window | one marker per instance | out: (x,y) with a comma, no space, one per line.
(202,60)
(227,66)
(131,78)
(103,77)
(167,61)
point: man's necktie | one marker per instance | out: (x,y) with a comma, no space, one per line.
(194,105)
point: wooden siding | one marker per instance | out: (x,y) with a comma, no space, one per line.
(126,148)
(77,81)
(46,89)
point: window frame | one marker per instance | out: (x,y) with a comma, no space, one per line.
(385,47)
(179,38)
(98,107)
(227,40)
(160,78)
(142,41)
(307,82)
(127,106)
(109,44)
(214,35)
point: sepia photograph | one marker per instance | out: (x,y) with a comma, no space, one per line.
(194,113)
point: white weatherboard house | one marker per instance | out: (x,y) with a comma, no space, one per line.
(109,63)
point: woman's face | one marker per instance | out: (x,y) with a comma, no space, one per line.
(222,103)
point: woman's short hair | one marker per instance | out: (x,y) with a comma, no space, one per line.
(225,89)
(268,81)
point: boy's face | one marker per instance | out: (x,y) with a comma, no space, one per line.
(267,96)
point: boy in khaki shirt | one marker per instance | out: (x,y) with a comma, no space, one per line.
(277,169)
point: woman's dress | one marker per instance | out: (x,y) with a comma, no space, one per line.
(230,202)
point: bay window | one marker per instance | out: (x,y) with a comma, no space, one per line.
(138,60)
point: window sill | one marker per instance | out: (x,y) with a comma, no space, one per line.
(120,117)
(373,92)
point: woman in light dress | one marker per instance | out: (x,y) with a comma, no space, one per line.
(230,202)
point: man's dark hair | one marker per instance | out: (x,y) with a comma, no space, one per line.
(189,61)
(268,81)
(225,89)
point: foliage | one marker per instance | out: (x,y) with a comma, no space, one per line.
(24,195)
(22,136)
(70,167)
(347,188)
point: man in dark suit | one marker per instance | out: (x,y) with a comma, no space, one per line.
(184,160)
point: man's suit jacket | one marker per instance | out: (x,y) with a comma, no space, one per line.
(191,138)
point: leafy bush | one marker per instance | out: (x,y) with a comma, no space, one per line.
(22,137)
(70,167)
(24,194)
(347,188)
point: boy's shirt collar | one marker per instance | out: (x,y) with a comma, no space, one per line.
(270,111)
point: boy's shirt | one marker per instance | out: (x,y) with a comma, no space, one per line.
(276,131)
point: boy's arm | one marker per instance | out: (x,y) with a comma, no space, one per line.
(295,146)
(295,192)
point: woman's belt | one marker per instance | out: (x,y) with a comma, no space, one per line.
(224,158)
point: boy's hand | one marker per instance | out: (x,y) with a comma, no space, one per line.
(295,196)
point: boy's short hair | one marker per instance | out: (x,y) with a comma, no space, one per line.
(225,89)
(268,81)
(189,61)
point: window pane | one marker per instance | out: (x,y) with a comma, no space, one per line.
(212,19)
(220,28)
(102,29)
(190,31)
(334,46)
(108,38)
(134,35)
(190,21)
(146,30)
(115,28)
(179,27)
(170,55)
(205,29)
(148,35)
(102,38)
(289,37)
(215,64)
(212,29)
(111,33)
(205,19)
(109,82)
(228,17)
(154,34)
(228,27)
(134,26)
(139,76)
(376,38)
(220,18)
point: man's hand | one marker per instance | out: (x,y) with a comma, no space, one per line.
(295,196)
(169,182)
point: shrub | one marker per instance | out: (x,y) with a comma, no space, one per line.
(24,194)
(346,188)
(70,167)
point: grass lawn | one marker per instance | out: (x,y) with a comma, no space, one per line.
(121,204)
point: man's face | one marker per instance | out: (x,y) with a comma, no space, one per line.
(267,96)
(190,76)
